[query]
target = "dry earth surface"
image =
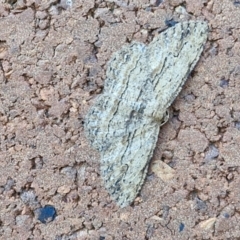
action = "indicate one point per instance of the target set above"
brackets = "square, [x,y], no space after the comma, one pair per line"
[53,57]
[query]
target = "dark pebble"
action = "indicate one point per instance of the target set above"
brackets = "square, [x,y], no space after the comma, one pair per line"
[46,214]
[181,227]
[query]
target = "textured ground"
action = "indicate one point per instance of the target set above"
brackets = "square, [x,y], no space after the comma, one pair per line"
[53,58]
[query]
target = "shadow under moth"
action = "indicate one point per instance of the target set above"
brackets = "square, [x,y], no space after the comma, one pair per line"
[142,82]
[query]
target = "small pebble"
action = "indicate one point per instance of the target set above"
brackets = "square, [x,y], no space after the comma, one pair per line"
[181,227]
[46,214]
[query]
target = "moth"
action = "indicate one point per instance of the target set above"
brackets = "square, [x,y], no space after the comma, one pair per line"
[141,83]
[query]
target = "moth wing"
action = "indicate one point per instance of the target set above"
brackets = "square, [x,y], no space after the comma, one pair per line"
[124,166]
[172,55]
[96,125]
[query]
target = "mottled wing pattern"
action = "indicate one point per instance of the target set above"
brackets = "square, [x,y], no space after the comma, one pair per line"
[101,120]
[142,81]
[180,48]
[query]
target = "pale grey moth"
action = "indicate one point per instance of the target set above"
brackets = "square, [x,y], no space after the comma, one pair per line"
[142,82]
